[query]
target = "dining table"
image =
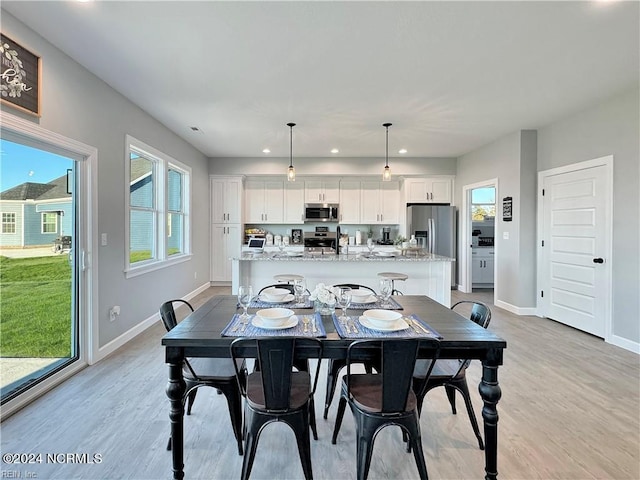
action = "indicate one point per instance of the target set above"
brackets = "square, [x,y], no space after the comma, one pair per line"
[207,332]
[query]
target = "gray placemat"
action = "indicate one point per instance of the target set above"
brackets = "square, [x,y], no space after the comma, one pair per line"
[391,305]
[363,332]
[257,303]
[235,328]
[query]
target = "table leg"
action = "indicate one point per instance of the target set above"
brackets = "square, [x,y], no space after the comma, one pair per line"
[175,391]
[490,393]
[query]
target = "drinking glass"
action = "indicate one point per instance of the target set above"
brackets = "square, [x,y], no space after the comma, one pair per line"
[281,246]
[299,288]
[245,295]
[370,245]
[343,301]
[385,291]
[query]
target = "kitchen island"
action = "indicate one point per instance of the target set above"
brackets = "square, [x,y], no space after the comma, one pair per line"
[429,274]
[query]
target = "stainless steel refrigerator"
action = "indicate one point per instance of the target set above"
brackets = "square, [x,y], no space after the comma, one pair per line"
[435,227]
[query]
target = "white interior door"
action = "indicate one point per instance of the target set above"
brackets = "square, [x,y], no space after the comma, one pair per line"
[576,236]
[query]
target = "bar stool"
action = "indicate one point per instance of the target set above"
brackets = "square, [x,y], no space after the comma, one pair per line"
[393,276]
[287,277]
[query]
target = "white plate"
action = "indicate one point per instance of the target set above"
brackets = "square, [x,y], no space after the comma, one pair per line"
[290,323]
[295,254]
[386,254]
[288,298]
[369,299]
[396,326]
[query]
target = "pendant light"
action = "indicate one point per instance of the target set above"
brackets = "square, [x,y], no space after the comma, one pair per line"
[291,173]
[386,173]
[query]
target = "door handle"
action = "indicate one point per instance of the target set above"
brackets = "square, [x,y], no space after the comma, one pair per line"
[598,260]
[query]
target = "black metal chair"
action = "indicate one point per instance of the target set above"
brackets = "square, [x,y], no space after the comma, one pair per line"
[386,398]
[276,393]
[451,374]
[337,364]
[286,286]
[219,373]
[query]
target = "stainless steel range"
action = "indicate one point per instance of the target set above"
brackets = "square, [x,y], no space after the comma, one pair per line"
[320,242]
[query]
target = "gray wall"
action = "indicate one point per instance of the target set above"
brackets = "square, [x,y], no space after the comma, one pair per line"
[331,166]
[610,128]
[80,106]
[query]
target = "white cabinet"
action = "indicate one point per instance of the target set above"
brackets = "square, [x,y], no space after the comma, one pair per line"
[264,201]
[380,202]
[226,242]
[294,202]
[482,265]
[427,190]
[322,191]
[349,202]
[226,199]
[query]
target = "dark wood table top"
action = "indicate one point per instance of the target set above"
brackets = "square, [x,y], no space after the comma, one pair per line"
[199,333]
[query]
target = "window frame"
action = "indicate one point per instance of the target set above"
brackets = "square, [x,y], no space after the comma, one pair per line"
[162,163]
[7,223]
[43,215]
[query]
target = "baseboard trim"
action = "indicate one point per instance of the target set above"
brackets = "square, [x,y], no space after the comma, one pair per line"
[130,334]
[516,310]
[625,343]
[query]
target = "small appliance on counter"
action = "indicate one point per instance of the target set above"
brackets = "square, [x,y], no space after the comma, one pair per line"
[386,237]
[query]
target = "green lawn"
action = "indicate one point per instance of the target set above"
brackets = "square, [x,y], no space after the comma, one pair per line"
[35,306]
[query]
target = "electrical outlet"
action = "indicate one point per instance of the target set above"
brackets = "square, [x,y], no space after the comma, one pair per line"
[114,312]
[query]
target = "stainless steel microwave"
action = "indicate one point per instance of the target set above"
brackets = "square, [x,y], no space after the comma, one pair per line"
[320,212]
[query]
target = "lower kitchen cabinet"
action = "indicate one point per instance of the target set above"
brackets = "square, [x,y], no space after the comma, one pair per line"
[482,265]
[226,241]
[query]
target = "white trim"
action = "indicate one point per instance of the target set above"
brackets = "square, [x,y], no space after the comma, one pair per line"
[607,162]
[516,310]
[87,240]
[625,343]
[130,334]
[153,266]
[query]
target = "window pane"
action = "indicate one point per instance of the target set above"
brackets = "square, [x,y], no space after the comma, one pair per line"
[141,187]
[483,195]
[141,234]
[174,200]
[49,223]
[479,212]
[174,233]
[8,223]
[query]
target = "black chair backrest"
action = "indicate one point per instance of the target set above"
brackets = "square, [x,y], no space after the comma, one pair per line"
[355,286]
[168,314]
[480,313]
[398,361]
[286,286]
[276,357]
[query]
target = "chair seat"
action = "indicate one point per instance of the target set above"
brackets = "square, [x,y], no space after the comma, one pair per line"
[442,369]
[212,368]
[366,393]
[287,277]
[300,387]
[393,275]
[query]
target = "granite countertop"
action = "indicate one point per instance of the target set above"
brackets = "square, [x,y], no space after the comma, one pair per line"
[306,257]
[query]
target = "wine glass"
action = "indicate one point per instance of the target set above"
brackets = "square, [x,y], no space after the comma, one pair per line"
[245,295]
[385,291]
[281,246]
[343,301]
[370,245]
[299,288]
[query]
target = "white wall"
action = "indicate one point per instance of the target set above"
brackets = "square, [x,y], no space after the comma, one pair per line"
[80,106]
[610,128]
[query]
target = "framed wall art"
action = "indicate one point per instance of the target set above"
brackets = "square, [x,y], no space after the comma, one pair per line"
[507,209]
[20,77]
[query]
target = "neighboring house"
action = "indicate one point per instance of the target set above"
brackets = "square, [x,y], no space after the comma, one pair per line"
[35,214]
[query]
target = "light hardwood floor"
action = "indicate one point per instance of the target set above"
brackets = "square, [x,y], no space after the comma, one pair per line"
[569,410]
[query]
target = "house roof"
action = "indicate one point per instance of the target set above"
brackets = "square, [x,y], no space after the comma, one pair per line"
[56,188]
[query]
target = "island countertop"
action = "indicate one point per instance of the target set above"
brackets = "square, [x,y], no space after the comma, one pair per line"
[359,257]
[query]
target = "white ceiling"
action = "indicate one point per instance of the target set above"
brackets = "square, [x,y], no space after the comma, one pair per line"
[450,76]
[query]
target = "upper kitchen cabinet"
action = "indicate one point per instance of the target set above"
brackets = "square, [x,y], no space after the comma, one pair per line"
[349,202]
[226,199]
[264,201]
[380,202]
[293,202]
[322,191]
[427,190]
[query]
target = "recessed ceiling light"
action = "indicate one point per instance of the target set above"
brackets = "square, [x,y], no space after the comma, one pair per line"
[402,150]
[335,150]
[266,150]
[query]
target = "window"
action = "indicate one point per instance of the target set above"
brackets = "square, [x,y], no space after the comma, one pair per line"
[8,223]
[49,222]
[483,204]
[158,200]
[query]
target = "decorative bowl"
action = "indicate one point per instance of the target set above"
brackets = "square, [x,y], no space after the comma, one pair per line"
[382,318]
[274,294]
[274,317]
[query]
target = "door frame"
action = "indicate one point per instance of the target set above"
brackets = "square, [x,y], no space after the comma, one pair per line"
[466,284]
[87,226]
[607,162]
